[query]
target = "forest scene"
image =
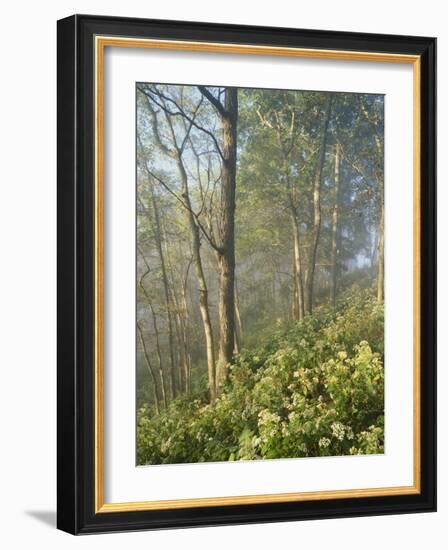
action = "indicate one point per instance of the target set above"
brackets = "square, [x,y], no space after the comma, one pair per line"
[260,274]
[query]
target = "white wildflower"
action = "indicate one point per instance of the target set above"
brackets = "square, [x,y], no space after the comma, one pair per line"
[338,430]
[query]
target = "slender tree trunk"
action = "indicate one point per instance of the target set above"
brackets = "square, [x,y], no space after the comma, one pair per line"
[150,369]
[180,349]
[185,330]
[236,342]
[156,333]
[298,280]
[380,179]
[184,346]
[179,324]
[186,355]
[239,324]
[159,357]
[380,279]
[166,288]
[375,245]
[202,284]
[205,314]
[226,261]
[335,225]
[295,295]
[317,208]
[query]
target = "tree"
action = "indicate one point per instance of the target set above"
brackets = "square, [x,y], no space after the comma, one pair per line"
[281,116]
[228,112]
[317,217]
[156,334]
[154,218]
[373,114]
[176,152]
[335,224]
[150,368]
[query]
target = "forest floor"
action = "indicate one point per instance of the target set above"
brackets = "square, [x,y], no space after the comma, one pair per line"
[316,388]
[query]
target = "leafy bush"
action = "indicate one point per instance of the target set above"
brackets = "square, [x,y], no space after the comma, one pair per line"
[315,389]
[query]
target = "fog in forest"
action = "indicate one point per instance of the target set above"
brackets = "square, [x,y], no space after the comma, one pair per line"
[260,261]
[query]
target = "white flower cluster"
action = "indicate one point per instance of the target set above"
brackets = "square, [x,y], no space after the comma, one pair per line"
[268,423]
[324,442]
[338,430]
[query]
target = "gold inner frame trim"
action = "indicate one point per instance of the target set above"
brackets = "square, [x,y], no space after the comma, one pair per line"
[101,42]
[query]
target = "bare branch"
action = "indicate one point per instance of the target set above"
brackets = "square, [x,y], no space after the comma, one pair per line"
[214,101]
[155,127]
[185,205]
[180,112]
[263,119]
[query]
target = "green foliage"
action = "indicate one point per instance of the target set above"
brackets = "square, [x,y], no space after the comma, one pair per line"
[315,389]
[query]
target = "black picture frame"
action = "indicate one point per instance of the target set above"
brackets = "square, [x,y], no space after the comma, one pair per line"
[76,225]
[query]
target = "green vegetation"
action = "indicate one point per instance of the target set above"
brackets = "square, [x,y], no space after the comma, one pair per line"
[315,388]
[260,273]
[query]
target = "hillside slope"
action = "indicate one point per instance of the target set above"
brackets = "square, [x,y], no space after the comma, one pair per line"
[316,389]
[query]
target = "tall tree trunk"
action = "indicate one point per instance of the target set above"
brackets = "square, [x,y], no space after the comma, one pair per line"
[295,296]
[159,357]
[380,279]
[299,309]
[202,284]
[185,324]
[150,369]
[166,289]
[180,358]
[185,354]
[226,262]
[335,225]
[239,324]
[379,143]
[205,314]
[374,252]
[156,331]
[179,324]
[309,296]
[380,179]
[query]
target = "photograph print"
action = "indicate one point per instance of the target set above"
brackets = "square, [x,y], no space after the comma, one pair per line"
[259,274]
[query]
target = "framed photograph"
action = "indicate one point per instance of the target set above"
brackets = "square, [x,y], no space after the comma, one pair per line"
[246,271]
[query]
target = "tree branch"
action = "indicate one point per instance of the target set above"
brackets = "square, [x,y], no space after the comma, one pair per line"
[155,127]
[180,112]
[214,101]
[185,205]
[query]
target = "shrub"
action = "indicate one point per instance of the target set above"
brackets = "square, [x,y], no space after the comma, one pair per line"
[315,389]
